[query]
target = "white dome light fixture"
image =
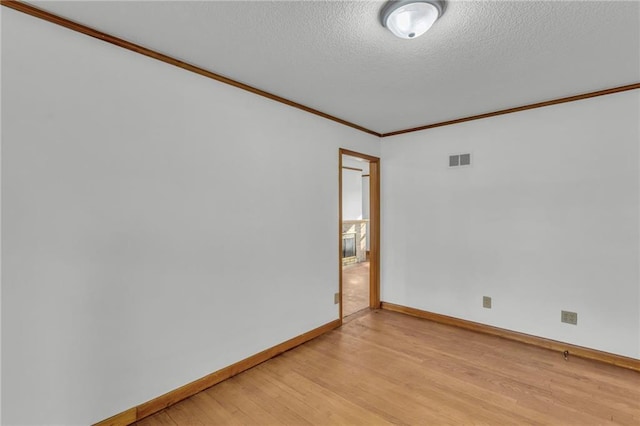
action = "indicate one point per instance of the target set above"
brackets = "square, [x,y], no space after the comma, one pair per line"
[410,18]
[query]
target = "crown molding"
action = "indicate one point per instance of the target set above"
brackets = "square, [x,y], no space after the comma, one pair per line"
[517,109]
[55,19]
[92,32]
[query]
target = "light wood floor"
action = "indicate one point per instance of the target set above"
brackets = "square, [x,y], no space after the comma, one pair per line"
[355,288]
[383,367]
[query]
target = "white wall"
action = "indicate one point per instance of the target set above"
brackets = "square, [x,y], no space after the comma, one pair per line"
[545,219]
[148,215]
[351,194]
[128,186]
[355,191]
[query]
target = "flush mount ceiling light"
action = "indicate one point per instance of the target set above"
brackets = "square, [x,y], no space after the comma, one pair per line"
[410,18]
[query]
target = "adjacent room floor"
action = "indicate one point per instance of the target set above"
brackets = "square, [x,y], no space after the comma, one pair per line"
[355,288]
[383,367]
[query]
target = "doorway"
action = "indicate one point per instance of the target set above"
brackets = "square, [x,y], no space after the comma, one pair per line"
[359,232]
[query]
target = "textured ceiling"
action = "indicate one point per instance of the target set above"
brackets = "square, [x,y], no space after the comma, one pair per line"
[334,56]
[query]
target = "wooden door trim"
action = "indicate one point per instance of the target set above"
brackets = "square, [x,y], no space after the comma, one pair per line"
[374,227]
[340,236]
[352,168]
[350,153]
[374,243]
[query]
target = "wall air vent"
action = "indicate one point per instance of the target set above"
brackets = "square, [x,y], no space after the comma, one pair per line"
[459,160]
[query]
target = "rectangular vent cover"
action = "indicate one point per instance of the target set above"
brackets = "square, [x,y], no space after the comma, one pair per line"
[459,160]
[569,317]
[486,302]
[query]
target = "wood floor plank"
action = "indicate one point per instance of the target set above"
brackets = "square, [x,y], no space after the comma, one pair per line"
[384,367]
[234,395]
[216,413]
[318,402]
[355,288]
[158,419]
[427,392]
[266,394]
[188,413]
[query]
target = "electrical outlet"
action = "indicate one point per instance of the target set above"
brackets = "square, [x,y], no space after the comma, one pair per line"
[336,298]
[569,317]
[486,302]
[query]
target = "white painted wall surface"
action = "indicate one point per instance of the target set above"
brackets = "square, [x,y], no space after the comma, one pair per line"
[355,191]
[351,194]
[356,163]
[148,222]
[545,219]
